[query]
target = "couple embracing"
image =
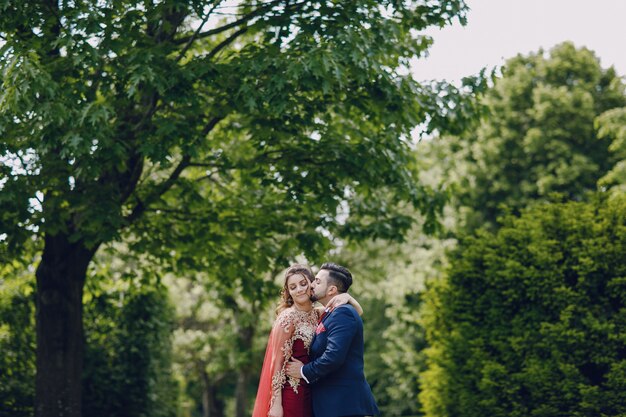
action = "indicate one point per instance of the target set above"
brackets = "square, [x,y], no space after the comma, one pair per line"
[314,358]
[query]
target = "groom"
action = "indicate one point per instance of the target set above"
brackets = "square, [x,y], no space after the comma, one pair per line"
[338,385]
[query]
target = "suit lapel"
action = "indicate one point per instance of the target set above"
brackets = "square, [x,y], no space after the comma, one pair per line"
[321,324]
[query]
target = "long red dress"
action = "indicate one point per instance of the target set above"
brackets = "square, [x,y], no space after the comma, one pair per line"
[291,336]
[298,404]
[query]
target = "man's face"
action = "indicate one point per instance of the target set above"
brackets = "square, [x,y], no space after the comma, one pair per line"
[319,286]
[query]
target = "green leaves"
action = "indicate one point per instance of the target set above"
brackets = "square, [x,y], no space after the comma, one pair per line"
[611,127]
[17,338]
[229,149]
[537,137]
[128,359]
[113,94]
[526,322]
[24,80]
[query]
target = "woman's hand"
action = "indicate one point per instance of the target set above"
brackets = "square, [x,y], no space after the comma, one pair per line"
[276,410]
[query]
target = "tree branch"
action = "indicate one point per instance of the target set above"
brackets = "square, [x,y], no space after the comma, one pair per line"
[226,42]
[195,35]
[160,189]
[56,27]
[205,177]
[212,123]
[256,13]
[163,187]
[238,33]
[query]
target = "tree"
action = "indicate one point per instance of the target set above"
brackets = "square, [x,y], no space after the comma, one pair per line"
[203,354]
[530,320]
[612,127]
[458,162]
[130,119]
[539,136]
[207,355]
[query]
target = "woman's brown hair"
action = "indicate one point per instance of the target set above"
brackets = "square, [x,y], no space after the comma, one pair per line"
[286,300]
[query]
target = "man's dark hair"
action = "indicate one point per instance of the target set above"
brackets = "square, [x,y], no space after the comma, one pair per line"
[338,275]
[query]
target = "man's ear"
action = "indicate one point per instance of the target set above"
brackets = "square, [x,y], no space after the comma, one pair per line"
[332,290]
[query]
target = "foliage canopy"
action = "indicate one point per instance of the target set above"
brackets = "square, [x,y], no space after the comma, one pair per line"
[132,112]
[539,136]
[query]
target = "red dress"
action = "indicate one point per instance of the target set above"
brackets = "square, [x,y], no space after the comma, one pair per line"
[298,404]
[291,336]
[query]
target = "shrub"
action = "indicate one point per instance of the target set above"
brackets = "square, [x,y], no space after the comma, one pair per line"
[531,320]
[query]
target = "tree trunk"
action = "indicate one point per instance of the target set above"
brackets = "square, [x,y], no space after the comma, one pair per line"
[59,322]
[241,393]
[212,406]
[245,336]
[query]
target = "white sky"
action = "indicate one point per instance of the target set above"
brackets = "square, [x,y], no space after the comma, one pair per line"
[499,29]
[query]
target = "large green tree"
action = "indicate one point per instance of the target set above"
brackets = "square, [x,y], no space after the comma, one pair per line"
[531,320]
[538,137]
[179,123]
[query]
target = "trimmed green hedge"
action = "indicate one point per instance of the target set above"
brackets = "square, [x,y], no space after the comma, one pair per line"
[127,370]
[531,321]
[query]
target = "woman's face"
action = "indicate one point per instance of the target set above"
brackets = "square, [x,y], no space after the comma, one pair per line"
[299,289]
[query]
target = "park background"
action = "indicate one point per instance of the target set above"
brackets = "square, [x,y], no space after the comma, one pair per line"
[155,185]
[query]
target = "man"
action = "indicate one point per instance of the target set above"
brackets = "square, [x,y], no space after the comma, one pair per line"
[338,384]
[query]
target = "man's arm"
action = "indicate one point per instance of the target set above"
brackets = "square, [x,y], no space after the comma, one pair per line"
[341,331]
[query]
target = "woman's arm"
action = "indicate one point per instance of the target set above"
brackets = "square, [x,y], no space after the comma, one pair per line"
[345,298]
[354,303]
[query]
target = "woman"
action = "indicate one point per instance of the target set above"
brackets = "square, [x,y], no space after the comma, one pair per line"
[280,395]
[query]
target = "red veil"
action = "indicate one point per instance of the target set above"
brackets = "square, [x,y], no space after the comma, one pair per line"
[278,349]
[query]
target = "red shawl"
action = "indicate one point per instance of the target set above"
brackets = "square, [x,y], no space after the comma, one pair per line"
[273,373]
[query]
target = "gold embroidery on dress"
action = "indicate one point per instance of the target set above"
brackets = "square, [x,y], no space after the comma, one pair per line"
[304,323]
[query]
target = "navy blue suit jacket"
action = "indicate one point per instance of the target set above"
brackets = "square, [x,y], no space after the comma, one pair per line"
[338,384]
